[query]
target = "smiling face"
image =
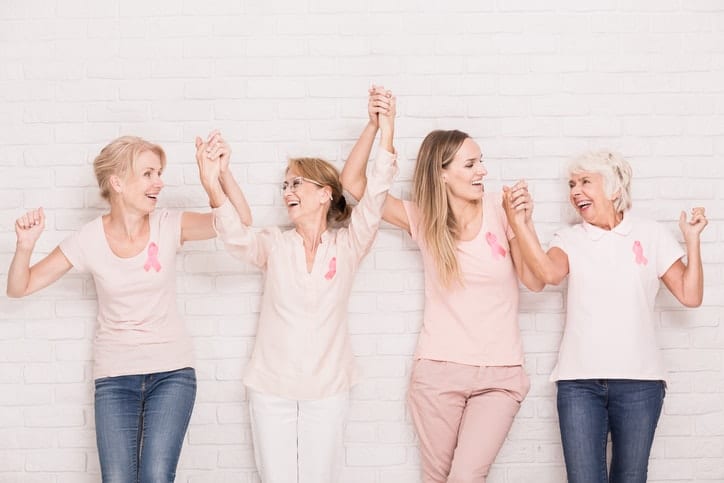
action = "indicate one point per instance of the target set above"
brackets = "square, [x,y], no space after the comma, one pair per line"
[304,197]
[139,189]
[589,198]
[463,176]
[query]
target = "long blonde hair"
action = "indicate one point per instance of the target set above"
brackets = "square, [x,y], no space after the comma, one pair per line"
[437,224]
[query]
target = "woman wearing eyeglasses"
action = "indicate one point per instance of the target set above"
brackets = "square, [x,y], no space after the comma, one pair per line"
[302,366]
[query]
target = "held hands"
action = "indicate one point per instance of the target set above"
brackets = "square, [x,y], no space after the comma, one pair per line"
[29,227]
[382,109]
[381,102]
[692,228]
[518,204]
[212,158]
[214,149]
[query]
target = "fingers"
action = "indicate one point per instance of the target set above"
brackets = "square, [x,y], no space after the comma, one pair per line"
[698,217]
[381,101]
[30,219]
[214,147]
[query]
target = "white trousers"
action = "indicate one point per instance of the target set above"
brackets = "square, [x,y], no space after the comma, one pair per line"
[298,441]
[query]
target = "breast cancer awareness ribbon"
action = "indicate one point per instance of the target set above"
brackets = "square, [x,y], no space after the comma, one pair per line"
[495,248]
[332,269]
[152,260]
[639,252]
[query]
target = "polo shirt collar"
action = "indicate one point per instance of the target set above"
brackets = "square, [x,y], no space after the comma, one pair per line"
[624,228]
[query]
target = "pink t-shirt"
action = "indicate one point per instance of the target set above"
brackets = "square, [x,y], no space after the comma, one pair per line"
[476,323]
[139,330]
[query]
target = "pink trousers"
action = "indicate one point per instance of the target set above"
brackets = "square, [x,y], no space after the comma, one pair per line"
[462,415]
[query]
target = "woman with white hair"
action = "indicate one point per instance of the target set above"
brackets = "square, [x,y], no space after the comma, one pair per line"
[610,373]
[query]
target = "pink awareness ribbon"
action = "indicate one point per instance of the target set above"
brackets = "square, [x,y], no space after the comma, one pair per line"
[332,269]
[639,252]
[497,251]
[152,260]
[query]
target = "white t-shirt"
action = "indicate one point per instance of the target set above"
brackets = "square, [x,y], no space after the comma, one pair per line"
[612,285]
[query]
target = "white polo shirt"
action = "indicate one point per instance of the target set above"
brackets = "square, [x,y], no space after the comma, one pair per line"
[612,285]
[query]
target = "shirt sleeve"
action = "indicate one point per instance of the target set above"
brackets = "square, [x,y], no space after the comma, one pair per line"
[71,248]
[668,250]
[366,216]
[241,240]
[170,225]
[559,240]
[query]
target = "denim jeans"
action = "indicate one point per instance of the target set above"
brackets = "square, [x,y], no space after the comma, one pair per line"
[141,421]
[588,409]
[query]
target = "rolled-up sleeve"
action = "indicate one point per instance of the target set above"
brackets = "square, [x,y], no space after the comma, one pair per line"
[241,240]
[366,216]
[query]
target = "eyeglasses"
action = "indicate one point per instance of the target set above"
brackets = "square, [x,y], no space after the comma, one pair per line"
[294,184]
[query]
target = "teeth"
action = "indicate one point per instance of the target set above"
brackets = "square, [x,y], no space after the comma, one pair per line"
[480,181]
[293,203]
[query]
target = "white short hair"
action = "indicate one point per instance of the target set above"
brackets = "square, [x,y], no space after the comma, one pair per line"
[616,172]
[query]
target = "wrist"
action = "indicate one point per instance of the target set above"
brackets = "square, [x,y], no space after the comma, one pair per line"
[216,199]
[24,247]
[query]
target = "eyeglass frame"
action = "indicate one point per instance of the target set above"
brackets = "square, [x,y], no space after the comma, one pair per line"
[295,183]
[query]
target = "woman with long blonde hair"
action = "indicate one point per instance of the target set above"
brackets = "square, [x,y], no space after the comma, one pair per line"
[468,380]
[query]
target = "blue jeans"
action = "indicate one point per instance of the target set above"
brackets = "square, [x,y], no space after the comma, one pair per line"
[141,421]
[589,408]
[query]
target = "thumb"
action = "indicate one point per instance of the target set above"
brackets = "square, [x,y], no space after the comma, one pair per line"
[506,188]
[198,142]
[682,217]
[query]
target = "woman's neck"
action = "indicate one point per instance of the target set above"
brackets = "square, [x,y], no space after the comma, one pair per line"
[466,212]
[122,225]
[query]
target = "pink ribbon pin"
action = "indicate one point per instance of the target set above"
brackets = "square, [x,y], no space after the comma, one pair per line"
[152,260]
[639,252]
[332,269]
[497,251]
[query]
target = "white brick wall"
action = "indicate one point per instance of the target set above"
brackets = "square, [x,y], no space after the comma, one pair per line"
[533,82]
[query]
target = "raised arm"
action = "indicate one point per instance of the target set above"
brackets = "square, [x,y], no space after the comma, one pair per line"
[22,278]
[212,157]
[354,174]
[219,148]
[686,281]
[535,267]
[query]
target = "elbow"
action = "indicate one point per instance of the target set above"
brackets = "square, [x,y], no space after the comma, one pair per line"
[693,302]
[537,287]
[533,283]
[14,294]
[549,277]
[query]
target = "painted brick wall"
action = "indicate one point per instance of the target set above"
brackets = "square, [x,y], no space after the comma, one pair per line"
[533,82]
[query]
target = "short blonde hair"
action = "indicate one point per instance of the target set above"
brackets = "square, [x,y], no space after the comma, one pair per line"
[119,157]
[325,174]
[616,172]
